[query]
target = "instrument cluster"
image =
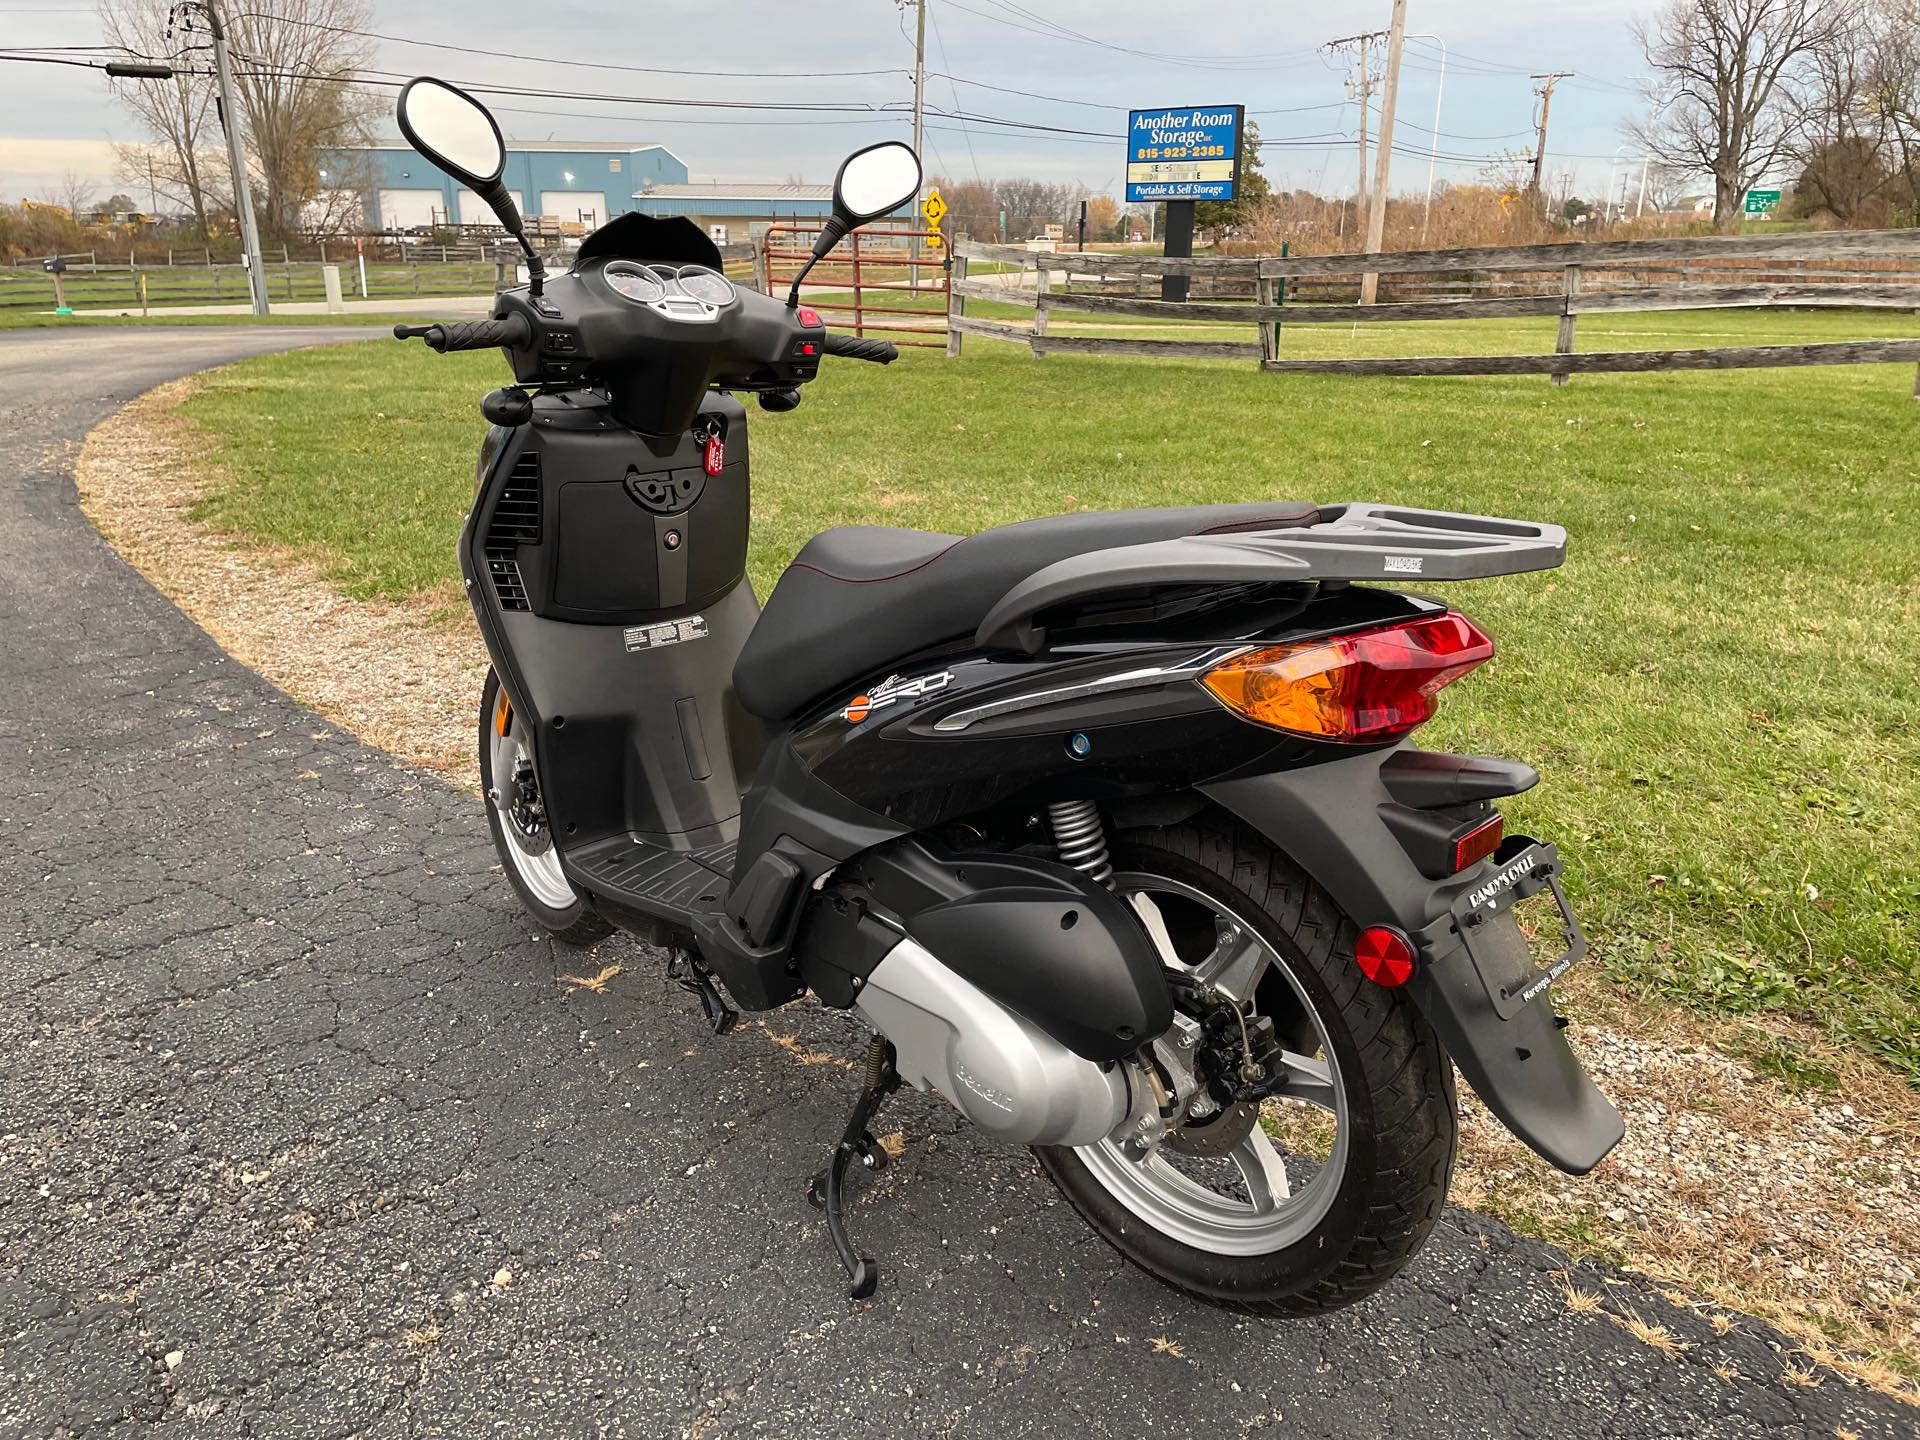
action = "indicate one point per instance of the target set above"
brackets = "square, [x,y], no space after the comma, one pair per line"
[687,293]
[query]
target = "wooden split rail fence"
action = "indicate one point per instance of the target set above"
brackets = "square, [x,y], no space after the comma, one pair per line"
[1826,270]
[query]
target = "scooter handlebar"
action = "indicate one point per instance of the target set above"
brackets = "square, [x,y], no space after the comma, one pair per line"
[880,352]
[469,334]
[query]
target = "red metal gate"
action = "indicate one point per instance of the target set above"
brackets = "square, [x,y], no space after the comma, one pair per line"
[876,280]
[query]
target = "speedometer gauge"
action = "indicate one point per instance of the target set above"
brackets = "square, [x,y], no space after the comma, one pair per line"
[705,285]
[635,282]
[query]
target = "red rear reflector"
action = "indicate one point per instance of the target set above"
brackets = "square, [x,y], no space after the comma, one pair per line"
[1478,843]
[809,348]
[807,315]
[1367,687]
[1384,956]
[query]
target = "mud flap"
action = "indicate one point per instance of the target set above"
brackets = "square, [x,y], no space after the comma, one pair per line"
[1490,1008]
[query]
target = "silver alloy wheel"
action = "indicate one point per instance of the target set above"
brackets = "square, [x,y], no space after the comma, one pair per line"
[1278,1209]
[534,858]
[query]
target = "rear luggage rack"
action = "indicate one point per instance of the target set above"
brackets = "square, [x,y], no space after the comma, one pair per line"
[1350,542]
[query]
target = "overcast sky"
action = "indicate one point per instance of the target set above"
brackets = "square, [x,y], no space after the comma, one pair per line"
[1259,53]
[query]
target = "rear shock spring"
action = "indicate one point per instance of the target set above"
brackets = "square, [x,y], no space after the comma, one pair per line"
[1081,838]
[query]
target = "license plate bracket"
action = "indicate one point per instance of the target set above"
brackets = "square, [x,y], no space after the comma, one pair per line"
[1523,868]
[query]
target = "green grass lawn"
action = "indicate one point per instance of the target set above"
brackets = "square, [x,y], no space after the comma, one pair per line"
[1722,686]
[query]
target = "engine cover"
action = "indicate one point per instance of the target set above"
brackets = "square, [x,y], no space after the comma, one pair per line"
[994,1067]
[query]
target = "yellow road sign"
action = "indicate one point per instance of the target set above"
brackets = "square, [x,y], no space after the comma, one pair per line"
[934,208]
[933,240]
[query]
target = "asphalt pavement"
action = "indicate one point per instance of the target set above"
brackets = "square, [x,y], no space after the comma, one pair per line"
[303,1133]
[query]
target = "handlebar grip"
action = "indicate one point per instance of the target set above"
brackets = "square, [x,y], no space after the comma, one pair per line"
[880,352]
[469,334]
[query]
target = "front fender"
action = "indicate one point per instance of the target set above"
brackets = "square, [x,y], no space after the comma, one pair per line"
[1328,818]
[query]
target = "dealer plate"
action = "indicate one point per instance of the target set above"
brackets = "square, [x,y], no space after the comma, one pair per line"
[1523,869]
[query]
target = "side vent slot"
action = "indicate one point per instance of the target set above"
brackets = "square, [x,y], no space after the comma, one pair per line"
[516,521]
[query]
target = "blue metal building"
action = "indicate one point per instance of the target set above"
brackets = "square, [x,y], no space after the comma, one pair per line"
[579,182]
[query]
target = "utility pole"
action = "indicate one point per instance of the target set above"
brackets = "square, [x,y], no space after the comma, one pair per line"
[1377,214]
[919,115]
[1545,92]
[919,69]
[236,156]
[1365,87]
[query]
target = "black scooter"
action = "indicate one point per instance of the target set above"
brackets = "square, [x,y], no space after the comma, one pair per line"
[1108,824]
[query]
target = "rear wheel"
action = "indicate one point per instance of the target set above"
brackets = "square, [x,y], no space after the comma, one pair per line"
[516,814]
[1309,1199]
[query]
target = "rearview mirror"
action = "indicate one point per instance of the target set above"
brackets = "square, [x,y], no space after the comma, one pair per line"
[871,183]
[874,181]
[454,131]
[459,134]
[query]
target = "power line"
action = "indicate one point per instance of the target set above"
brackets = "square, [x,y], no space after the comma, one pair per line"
[854,113]
[1052,30]
[555,60]
[941,45]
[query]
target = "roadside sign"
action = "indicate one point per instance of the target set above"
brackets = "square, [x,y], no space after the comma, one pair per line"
[1762,202]
[934,241]
[934,208]
[1185,153]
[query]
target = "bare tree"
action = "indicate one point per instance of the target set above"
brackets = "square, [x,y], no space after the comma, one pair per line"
[1726,67]
[1841,135]
[1510,172]
[73,193]
[184,164]
[294,66]
[1665,186]
[1895,94]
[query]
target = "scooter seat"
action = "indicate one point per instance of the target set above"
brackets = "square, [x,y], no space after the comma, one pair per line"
[859,597]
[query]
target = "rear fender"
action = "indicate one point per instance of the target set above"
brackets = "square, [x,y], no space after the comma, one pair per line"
[1329,818]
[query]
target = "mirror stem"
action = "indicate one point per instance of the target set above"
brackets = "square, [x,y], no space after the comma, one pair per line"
[536,272]
[832,231]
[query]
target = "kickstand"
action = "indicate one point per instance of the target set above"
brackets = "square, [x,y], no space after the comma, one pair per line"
[686,971]
[827,1190]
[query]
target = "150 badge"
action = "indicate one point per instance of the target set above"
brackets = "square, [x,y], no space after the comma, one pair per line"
[892,690]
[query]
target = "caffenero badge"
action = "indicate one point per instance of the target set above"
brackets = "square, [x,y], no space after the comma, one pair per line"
[891,691]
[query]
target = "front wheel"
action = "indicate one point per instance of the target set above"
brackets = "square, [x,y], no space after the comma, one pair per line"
[516,814]
[1316,1196]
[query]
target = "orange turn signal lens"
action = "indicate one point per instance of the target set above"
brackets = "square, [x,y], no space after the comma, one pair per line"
[1363,688]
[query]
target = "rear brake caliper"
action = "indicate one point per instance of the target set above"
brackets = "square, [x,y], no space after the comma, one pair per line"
[1235,1060]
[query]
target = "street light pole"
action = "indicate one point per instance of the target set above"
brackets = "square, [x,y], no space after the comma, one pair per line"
[1646,151]
[1606,199]
[1433,153]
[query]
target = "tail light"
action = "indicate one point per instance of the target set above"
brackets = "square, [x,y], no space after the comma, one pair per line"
[1363,688]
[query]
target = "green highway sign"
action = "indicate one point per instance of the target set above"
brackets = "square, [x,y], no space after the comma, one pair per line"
[1762,202]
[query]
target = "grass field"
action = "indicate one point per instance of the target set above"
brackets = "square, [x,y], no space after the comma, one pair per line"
[1722,686]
